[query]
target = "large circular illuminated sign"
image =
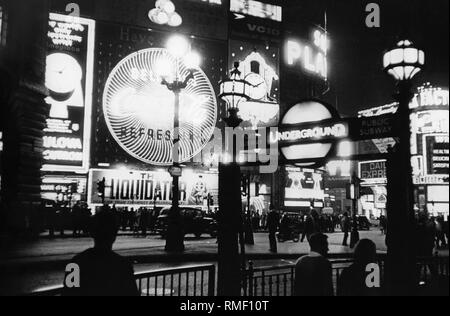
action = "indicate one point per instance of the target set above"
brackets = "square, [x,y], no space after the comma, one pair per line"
[139,110]
[308,112]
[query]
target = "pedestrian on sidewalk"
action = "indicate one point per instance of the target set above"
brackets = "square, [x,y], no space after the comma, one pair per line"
[313,273]
[346,227]
[273,222]
[352,281]
[102,272]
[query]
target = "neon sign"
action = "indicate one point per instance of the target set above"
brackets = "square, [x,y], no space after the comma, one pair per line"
[316,133]
[257,9]
[311,57]
[139,110]
[69,80]
[429,96]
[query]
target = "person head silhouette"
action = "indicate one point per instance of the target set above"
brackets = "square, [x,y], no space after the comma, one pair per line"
[104,229]
[319,243]
[365,252]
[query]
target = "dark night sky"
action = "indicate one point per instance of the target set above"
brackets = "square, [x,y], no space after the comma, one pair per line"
[356,76]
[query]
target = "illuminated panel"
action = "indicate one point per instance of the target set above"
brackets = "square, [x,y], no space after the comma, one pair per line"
[436,152]
[311,55]
[259,66]
[257,9]
[373,172]
[302,186]
[139,110]
[69,79]
[131,187]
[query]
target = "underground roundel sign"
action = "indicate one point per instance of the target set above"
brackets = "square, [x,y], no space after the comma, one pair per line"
[140,111]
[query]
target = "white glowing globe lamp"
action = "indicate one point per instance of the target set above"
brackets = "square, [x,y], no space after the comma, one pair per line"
[175,20]
[404,61]
[178,46]
[164,68]
[169,7]
[192,60]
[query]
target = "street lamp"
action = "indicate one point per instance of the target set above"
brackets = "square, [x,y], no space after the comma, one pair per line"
[233,91]
[403,62]
[179,48]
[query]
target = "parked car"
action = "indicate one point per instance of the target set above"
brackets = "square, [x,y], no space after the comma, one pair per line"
[194,222]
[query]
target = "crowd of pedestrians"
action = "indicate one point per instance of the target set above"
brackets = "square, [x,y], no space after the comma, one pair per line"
[63,220]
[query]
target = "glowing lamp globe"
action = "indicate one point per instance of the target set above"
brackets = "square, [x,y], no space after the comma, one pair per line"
[404,61]
[178,46]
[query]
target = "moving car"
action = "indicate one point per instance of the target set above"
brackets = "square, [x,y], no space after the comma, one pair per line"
[194,222]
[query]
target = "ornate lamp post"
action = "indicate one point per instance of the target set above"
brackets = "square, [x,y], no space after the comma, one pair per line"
[233,91]
[403,62]
[179,48]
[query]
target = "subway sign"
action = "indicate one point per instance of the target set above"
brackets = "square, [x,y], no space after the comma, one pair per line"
[311,134]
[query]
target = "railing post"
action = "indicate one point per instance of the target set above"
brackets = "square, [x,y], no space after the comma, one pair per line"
[212,281]
[250,278]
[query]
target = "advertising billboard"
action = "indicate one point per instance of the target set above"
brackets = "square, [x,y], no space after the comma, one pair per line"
[255,20]
[259,66]
[436,149]
[148,188]
[303,186]
[373,172]
[135,110]
[69,80]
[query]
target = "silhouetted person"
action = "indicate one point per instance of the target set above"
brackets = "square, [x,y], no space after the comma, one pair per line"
[313,273]
[102,271]
[352,281]
[346,227]
[273,222]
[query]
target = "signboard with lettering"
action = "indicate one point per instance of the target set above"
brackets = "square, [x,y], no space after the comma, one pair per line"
[146,188]
[69,80]
[376,127]
[373,172]
[128,87]
[308,55]
[436,148]
[255,20]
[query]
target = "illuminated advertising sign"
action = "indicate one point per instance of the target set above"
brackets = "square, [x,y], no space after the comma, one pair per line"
[255,20]
[69,81]
[303,186]
[257,9]
[436,149]
[373,172]
[63,188]
[259,67]
[137,111]
[310,56]
[430,122]
[429,96]
[145,188]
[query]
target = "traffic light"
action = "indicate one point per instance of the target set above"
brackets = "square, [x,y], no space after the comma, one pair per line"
[210,200]
[101,188]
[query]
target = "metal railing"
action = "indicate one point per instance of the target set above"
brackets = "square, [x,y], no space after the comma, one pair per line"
[185,281]
[261,281]
[279,281]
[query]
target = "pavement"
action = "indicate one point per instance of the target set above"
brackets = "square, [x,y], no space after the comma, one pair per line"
[48,251]
[28,266]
